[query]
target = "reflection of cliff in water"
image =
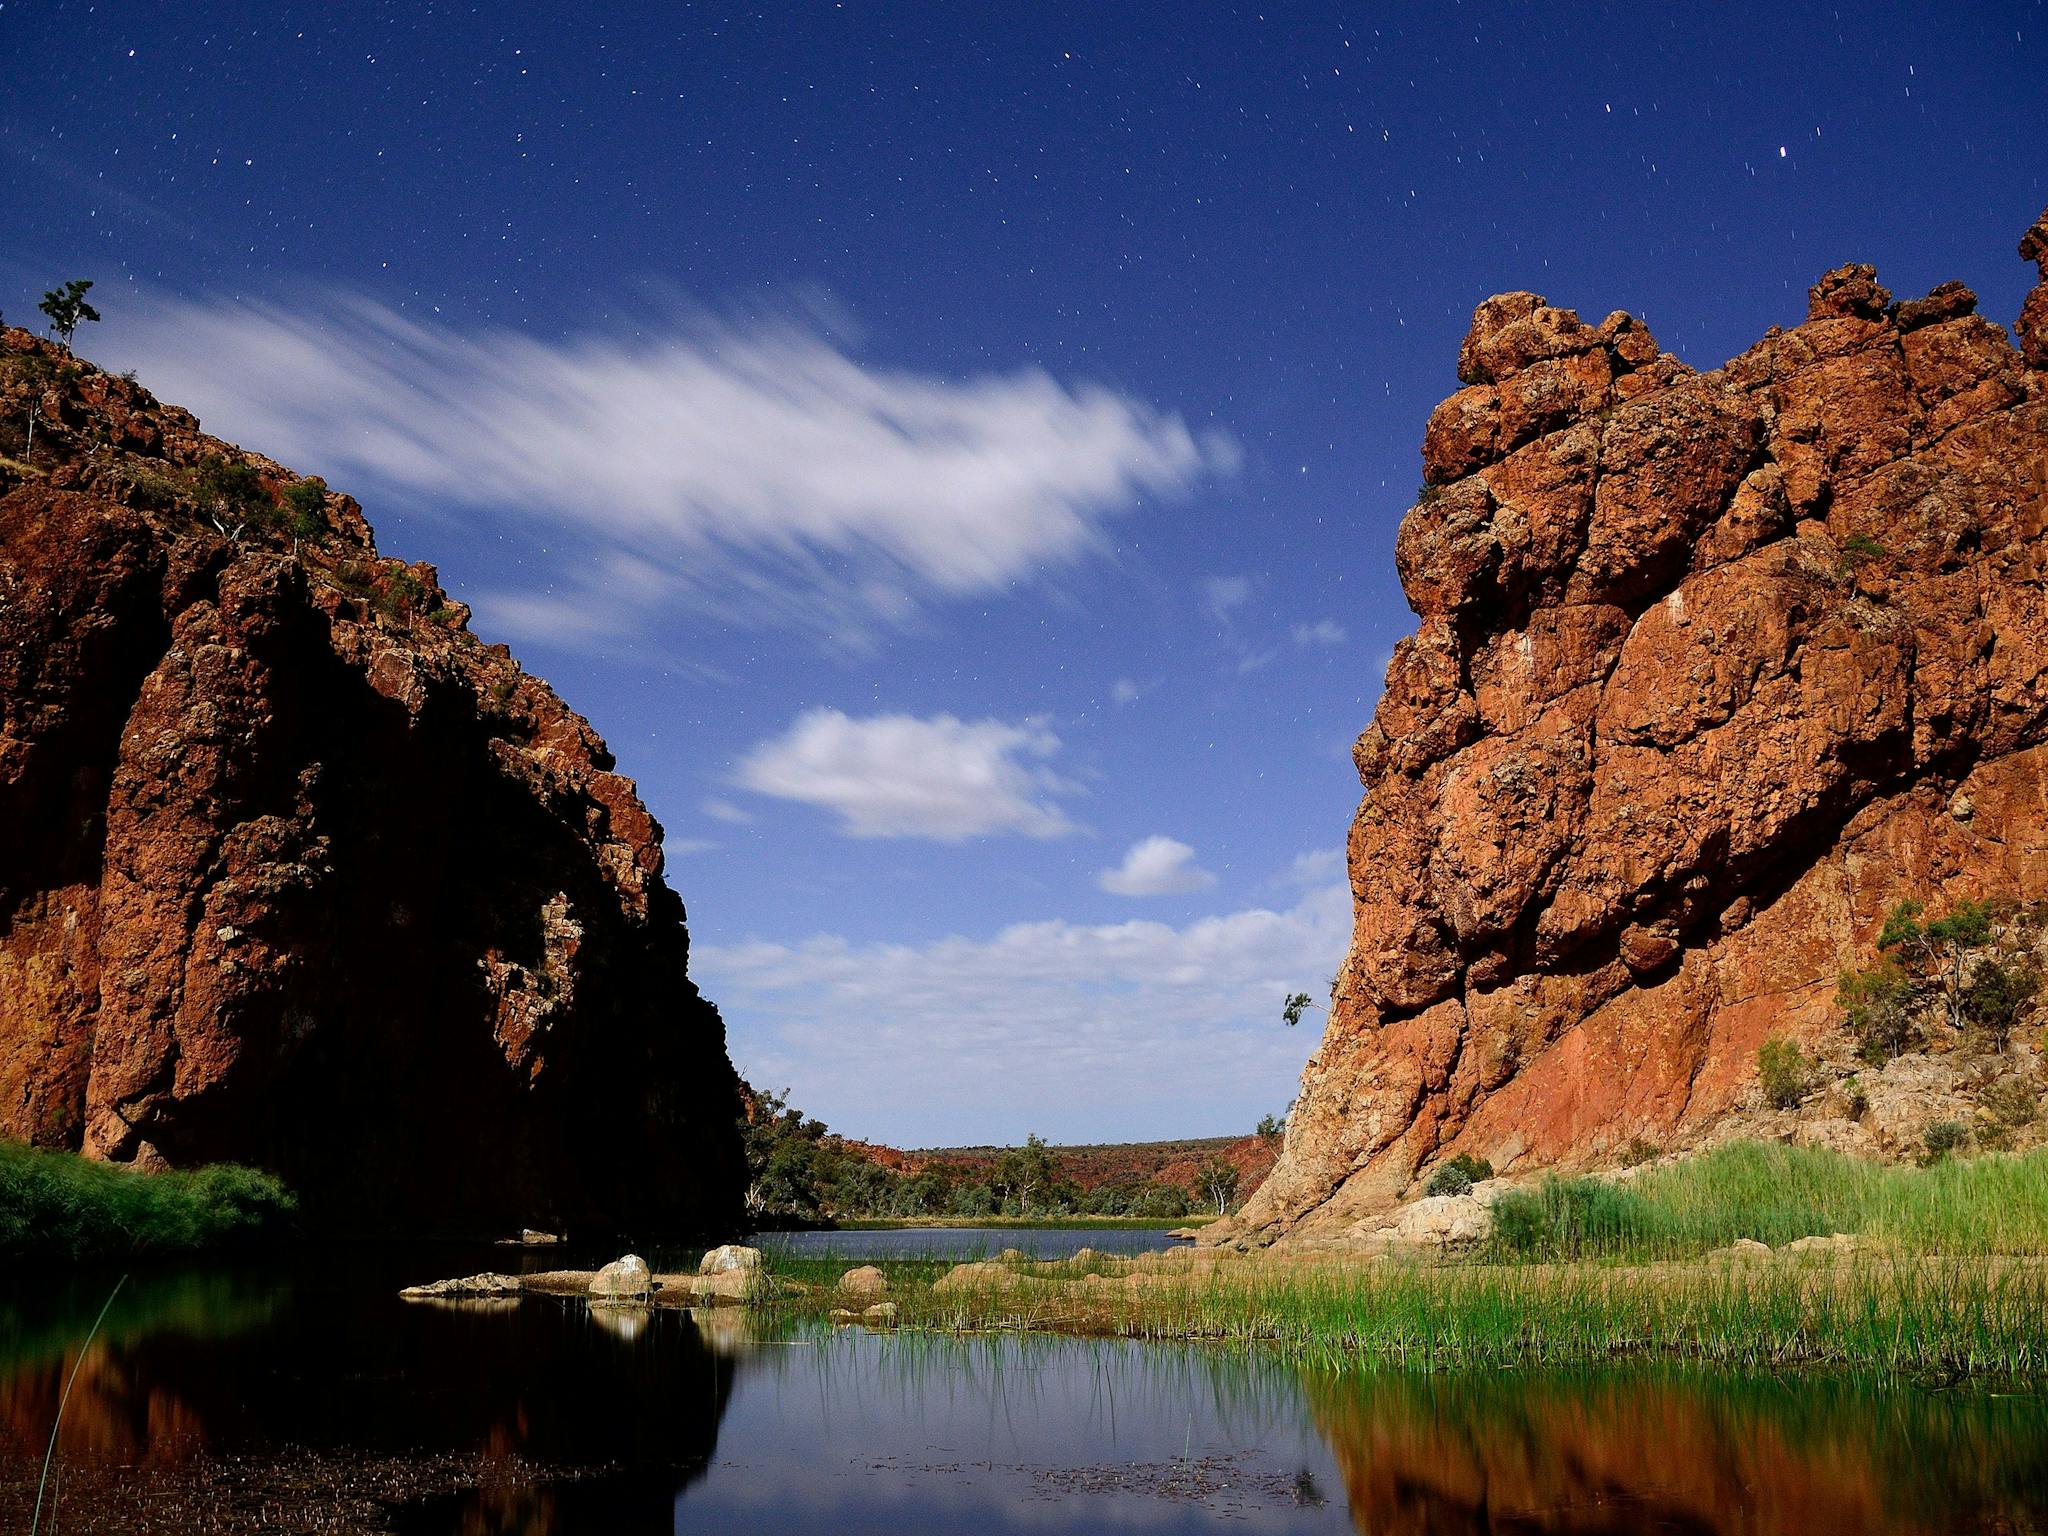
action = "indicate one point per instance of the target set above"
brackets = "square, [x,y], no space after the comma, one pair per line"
[1590,1455]
[240,1364]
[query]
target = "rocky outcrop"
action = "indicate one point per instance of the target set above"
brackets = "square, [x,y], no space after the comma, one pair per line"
[296,871]
[1711,669]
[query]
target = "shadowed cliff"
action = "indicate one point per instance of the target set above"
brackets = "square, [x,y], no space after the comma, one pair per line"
[295,871]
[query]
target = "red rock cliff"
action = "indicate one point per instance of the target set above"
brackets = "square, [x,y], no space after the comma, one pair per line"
[295,871]
[1711,670]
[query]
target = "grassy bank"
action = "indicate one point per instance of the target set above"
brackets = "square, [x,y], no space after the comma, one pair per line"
[58,1205]
[1773,1194]
[1949,1278]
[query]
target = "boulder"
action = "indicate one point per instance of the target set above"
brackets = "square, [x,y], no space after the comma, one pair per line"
[864,1281]
[727,1285]
[729,1258]
[881,1315]
[1439,1221]
[623,1278]
[1743,1249]
[979,1275]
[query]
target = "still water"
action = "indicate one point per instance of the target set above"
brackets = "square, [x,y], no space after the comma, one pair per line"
[309,1398]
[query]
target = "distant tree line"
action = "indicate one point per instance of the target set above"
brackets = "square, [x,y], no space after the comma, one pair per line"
[797,1170]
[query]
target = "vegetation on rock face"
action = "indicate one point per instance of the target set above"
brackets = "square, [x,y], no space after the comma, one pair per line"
[1786,1074]
[1971,972]
[61,1206]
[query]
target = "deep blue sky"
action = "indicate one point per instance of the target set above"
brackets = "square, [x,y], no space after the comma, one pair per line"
[1036,388]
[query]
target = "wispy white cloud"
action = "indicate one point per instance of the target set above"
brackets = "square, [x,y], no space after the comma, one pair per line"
[1126,691]
[757,470]
[1156,866]
[1052,1026]
[719,809]
[904,776]
[1322,632]
[1224,595]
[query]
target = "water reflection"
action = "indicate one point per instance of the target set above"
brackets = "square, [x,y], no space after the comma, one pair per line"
[250,1363]
[1658,1451]
[625,1420]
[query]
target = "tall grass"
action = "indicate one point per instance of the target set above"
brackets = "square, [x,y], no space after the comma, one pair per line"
[59,1205]
[1774,1194]
[1589,1270]
[1925,1318]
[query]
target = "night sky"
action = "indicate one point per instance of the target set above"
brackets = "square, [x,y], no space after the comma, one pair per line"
[951,452]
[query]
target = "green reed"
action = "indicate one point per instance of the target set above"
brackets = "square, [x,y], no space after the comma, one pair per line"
[1775,1194]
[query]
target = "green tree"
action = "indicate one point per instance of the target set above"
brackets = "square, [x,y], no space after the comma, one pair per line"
[1272,1127]
[1936,953]
[1023,1174]
[1976,968]
[780,1148]
[1878,1005]
[1217,1181]
[67,308]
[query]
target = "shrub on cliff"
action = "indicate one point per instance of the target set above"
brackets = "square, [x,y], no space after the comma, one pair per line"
[60,1205]
[231,494]
[1458,1175]
[1786,1074]
[305,507]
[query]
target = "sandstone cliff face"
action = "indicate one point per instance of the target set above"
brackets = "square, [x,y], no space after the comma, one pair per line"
[295,871]
[1711,670]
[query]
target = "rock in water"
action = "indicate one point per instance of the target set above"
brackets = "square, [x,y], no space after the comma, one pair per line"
[1711,670]
[865,1281]
[296,871]
[729,1258]
[624,1279]
[485,1285]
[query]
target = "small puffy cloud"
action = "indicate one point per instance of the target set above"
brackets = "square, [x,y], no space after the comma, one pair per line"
[1319,866]
[1322,632]
[758,472]
[1156,866]
[1037,1027]
[903,776]
[725,810]
[1224,595]
[1125,691]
